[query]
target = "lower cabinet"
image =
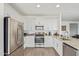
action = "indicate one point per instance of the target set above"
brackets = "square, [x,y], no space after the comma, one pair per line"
[58,46]
[29,41]
[48,42]
[55,43]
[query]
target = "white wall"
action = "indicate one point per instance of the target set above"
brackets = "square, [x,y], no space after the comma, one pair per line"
[50,23]
[68,26]
[78,28]
[1,28]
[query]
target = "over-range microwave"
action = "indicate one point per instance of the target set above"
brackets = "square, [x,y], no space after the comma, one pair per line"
[39,27]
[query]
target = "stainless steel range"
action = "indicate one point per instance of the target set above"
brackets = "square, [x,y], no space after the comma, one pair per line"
[39,36]
[39,39]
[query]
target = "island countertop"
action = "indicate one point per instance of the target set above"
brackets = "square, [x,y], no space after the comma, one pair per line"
[73,42]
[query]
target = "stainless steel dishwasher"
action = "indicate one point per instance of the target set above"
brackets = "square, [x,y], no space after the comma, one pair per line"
[69,50]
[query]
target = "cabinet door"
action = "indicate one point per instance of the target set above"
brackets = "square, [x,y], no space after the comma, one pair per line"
[60,48]
[58,45]
[48,41]
[29,41]
[45,41]
[51,41]
[54,43]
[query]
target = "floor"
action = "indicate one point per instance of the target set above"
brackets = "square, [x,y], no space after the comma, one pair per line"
[40,52]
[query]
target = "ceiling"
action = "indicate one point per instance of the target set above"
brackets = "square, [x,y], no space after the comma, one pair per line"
[70,11]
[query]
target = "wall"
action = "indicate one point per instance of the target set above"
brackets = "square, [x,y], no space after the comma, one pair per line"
[50,23]
[78,28]
[68,26]
[1,28]
[73,29]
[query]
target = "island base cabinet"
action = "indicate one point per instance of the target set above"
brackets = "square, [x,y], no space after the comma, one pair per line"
[58,46]
[68,50]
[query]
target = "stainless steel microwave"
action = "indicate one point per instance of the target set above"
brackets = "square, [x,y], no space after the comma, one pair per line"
[39,27]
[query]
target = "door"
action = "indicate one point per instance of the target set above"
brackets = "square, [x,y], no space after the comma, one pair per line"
[73,29]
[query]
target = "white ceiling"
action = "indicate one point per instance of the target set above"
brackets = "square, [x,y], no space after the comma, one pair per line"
[70,11]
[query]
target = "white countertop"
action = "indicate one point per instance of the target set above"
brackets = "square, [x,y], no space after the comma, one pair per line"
[72,42]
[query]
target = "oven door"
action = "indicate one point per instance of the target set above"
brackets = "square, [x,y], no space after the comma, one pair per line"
[39,39]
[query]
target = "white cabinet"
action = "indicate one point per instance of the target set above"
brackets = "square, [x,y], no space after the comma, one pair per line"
[29,41]
[48,41]
[58,46]
[54,43]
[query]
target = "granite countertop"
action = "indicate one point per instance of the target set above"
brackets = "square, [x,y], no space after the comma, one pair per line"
[72,42]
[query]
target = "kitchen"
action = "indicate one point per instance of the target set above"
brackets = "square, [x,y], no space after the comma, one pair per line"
[51,26]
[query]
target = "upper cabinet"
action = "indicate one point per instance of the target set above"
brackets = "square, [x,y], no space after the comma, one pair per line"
[49,23]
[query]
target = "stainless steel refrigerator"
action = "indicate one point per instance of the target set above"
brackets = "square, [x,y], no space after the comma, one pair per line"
[13,36]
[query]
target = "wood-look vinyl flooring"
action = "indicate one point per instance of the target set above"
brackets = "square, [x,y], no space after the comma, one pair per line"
[40,52]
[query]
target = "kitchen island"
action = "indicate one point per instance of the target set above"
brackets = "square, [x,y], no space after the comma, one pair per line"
[71,42]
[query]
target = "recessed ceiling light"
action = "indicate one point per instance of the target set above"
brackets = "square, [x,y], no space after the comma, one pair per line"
[57,6]
[38,6]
